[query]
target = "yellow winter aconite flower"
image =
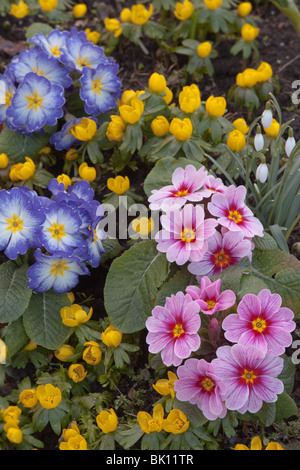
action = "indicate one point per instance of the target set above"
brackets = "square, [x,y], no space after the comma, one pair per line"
[127,96]
[87,173]
[22,171]
[48,5]
[79,10]
[143,226]
[77,442]
[160,126]
[77,372]
[132,112]
[48,396]
[64,352]
[14,435]
[273,130]
[189,98]
[168,95]
[236,140]
[71,155]
[92,36]
[256,444]
[3,160]
[125,15]
[3,352]
[244,9]
[264,72]
[215,106]
[75,315]
[92,353]
[11,414]
[204,49]
[241,125]
[184,10]
[28,398]
[114,26]
[107,421]
[140,15]
[115,129]
[249,32]
[213,4]
[166,386]
[182,129]
[248,78]
[111,337]
[150,423]
[71,431]
[65,179]
[19,10]
[176,422]
[31,346]
[119,184]
[85,130]
[157,83]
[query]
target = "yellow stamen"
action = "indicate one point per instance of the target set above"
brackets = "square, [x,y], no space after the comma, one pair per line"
[235,216]
[14,224]
[210,304]
[55,51]
[59,268]
[259,325]
[178,330]
[188,235]
[249,376]
[97,86]
[34,101]
[184,192]
[57,231]
[208,384]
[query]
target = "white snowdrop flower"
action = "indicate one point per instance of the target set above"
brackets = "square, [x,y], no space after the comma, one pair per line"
[262,172]
[267,118]
[289,145]
[259,142]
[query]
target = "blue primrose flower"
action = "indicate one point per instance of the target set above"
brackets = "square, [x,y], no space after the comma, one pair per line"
[36,61]
[21,215]
[7,90]
[53,44]
[79,53]
[58,271]
[36,103]
[100,88]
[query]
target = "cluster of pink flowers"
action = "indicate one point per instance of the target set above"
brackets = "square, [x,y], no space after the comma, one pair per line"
[244,372]
[204,222]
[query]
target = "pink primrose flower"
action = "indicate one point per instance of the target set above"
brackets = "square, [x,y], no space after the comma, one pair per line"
[209,298]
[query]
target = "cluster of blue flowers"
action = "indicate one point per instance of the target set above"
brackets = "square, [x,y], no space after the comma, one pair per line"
[34,86]
[64,230]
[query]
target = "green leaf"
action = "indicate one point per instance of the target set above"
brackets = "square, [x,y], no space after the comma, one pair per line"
[18,146]
[15,337]
[178,282]
[287,375]
[131,285]
[38,28]
[14,292]
[285,407]
[42,320]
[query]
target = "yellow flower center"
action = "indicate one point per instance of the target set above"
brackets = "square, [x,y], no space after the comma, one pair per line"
[8,97]
[178,423]
[57,231]
[188,235]
[59,268]
[55,51]
[34,101]
[259,325]
[207,384]
[97,86]
[83,62]
[14,224]
[184,192]
[249,376]
[210,304]
[178,330]
[235,216]
[221,259]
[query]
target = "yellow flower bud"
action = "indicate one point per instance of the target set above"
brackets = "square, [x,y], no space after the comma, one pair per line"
[184,10]
[114,26]
[125,15]
[71,431]
[244,9]
[19,11]
[204,49]
[48,396]
[216,106]
[143,226]
[132,113]
[273,130]
[75,315]
[236,140]
[14,435]
[12,413]
[85,130]
[77,442]
[127,96]
[181,129]
[140,15]
[115,129]
[79,10]
[168,95]
[119,184]
[166,386]
[176,422]
[241,125]
[48,5]
[150,423]
[65,179]
[111,337]
[87,173]
[31,346]
[160,126]
[249,32]
[264,72]
[77,373]
[64,352]
[107,421]
[3,160]
[3,352]
[213,4]
[28,398]
[92,36]
[22,171]
[157,83]
[92,353]
[71,155]
[45,151]
[247,78]
[189,99]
